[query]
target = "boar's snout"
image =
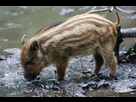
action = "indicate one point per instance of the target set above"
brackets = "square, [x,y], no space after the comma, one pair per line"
[30,76]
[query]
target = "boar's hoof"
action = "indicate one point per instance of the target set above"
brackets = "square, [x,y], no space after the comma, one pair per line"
[111,77]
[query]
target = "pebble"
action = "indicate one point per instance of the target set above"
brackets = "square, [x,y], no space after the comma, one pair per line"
[55,88]
[132,86]
[6,75]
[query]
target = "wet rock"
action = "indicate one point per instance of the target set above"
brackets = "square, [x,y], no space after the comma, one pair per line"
[132,86]
[103,84]
[84,86]
[93,85]
[82,94]
[3,57]
[123,86]
[56,88]
[89,71]
[72,89]
[102,76]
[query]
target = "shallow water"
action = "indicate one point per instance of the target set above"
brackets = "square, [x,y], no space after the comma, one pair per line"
[17,21]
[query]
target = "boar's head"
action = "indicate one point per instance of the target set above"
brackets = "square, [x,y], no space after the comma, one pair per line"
[31,58]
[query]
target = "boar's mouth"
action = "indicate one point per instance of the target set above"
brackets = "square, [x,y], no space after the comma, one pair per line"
[30,76]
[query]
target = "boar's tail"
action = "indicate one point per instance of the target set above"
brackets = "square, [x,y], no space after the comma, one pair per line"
[118,19]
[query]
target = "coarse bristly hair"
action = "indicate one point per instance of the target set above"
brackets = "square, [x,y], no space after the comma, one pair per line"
[80,35]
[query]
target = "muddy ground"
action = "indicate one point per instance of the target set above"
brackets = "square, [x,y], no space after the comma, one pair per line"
[78,81]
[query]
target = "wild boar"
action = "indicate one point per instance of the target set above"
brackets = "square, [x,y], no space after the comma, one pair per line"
[80,35]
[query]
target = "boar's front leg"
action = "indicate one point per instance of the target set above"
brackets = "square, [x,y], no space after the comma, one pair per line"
[61,67]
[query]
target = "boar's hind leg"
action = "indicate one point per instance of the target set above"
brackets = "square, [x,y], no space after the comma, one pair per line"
[98,63]
[61,67]
[111,61]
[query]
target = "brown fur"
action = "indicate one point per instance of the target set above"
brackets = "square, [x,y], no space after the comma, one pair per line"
[77,36]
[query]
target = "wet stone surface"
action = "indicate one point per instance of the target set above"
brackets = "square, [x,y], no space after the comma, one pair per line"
[78,81]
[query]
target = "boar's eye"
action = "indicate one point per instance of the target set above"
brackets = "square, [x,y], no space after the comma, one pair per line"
[30,61]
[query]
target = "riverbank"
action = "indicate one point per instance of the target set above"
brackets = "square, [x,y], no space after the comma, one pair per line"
[78,82]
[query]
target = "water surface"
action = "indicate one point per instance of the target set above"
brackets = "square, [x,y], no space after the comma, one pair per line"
[15,21]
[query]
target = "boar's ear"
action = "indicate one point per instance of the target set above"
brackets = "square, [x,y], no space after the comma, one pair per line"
[24,40]
[34,47]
